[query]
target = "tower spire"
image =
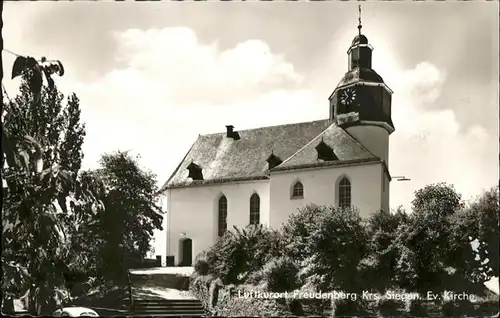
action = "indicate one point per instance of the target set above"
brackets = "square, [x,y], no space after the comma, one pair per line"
[359,20]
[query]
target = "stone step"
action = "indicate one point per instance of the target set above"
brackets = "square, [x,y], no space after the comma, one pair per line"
[168,305]
[167,311]
[165,301]
[184,308]
[172,310]
[162,307]
[168,308]
[167,315]
[160,303]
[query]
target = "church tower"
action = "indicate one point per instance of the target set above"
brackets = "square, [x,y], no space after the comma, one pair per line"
[361,102]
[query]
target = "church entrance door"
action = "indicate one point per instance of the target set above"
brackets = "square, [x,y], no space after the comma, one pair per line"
[185,252]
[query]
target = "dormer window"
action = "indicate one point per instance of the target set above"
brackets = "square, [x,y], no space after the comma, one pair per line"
[274,161]
[325,152]
[195,171]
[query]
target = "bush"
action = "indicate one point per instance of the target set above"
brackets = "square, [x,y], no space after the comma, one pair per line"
[200,288]
[230,305]
[417,308]
[382,230]
[390,307]
[349,308]
[201,264]
[295,307]
[279,275]
[448,309]
[312,306]
[240,252]
[226,301]
[329,244]
[459,308]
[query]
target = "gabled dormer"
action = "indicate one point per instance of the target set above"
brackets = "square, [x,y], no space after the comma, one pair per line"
[195,171]
[325,152]
[273,161]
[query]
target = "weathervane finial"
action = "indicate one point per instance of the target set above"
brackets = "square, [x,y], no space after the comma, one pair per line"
[359,20]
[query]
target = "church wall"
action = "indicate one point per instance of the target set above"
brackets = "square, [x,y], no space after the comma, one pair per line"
[385,192]
[194,211]
[374,138]
[320,187]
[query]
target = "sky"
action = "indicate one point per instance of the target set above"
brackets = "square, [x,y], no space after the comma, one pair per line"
[152,76]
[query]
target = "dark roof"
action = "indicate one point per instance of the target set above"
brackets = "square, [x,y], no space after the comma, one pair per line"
[344,146]
[224,159]
[359,39]
[360,74]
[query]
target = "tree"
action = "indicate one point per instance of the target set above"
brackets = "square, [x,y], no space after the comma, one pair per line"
[481,220]
[41,156]
[329,245]
[434,252]
[131,213]
[382,231]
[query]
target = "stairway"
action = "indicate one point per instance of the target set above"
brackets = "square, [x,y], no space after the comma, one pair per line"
[168,307]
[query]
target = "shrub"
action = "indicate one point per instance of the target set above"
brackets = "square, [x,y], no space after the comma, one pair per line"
[230,305]
[201,264]
[281,275]
[459,308]
[390,307]
[295,307]
[448,309]
[200,287]
[240,252]
[417,308]
[278,274]
[349,308]
[379,267]
[312,306]
[327,243]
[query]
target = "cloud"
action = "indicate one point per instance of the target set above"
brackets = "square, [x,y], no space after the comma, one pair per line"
[425,82]
[169,87]
[192,72]
[430,145]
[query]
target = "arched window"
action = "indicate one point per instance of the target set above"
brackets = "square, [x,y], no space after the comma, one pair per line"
[298,190]
[254,209]
[345,193]
[222,215]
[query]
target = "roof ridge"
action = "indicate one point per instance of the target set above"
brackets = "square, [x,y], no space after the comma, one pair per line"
[266,127]
[306,145]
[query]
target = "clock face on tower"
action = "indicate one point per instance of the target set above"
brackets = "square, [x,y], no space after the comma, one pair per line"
[348,96]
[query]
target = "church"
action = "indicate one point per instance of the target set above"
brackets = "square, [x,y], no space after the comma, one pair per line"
[262,175]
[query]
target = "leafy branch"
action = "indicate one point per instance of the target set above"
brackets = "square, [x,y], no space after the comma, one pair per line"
[38,69]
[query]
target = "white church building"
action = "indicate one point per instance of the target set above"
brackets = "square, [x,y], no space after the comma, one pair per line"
[262,175]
